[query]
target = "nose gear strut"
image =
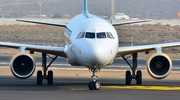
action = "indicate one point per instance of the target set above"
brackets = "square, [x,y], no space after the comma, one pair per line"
[94,84]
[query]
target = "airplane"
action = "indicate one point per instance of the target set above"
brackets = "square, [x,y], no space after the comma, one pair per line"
[91,42]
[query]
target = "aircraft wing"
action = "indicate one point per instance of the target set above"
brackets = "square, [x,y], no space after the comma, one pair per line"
[130,22]
[142,48]
[38,48]
[40,22]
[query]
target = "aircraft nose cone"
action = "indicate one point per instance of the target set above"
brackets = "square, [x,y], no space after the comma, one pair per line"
[97,56]
[93,53]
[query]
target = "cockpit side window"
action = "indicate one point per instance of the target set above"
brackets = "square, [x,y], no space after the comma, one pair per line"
[90,35]
[109,35]
[81,35]
[101,35]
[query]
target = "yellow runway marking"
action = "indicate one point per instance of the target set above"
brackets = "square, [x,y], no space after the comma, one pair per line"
[144,87]
[165,88]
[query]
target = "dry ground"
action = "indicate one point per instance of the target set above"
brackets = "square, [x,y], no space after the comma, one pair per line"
[50,35]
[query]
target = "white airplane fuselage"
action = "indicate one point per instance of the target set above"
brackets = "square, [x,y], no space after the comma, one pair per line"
[94,52]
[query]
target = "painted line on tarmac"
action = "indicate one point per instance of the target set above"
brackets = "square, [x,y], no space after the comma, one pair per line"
[165,88]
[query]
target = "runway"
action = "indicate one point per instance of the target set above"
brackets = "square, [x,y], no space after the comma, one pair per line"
[69,85]
[75,88]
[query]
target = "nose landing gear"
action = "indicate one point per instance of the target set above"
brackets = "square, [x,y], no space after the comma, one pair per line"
[94,84]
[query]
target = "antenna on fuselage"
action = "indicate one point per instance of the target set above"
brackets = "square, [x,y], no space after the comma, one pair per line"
[85,7]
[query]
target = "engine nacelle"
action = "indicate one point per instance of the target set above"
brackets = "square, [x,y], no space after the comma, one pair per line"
[70,58]
[159,65]
[22,65]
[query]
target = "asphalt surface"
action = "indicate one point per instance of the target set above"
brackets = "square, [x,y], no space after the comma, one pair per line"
[75,88]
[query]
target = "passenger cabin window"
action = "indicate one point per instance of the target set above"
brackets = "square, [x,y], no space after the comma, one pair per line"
[81,35]
[90,35]
[101,35]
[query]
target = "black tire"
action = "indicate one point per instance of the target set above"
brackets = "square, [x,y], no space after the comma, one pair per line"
[90,85]
[139,77]
[128,77]
[96,85]
[50,77]
[39,78]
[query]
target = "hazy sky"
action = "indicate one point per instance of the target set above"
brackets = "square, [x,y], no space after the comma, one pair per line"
[134,8]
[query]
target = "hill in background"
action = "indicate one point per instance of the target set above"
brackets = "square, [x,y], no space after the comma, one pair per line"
[154,9]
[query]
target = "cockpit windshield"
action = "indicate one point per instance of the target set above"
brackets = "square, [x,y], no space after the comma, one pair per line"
[101,35]
[90,35]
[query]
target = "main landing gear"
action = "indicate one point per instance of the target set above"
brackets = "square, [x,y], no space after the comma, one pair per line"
[94,84]
[136,74]
[40,75]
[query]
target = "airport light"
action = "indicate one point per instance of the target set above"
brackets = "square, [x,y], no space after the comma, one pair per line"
[40,3]
[112,8]
[1,7]
[148,14]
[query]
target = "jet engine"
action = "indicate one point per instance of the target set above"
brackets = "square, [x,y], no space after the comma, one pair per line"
[22,65]
[70,58]
[159,65]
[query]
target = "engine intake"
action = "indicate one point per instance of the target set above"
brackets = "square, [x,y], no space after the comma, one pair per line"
[22,65]
[159,65]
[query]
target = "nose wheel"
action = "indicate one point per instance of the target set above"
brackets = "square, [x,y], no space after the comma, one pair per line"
[94,84]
